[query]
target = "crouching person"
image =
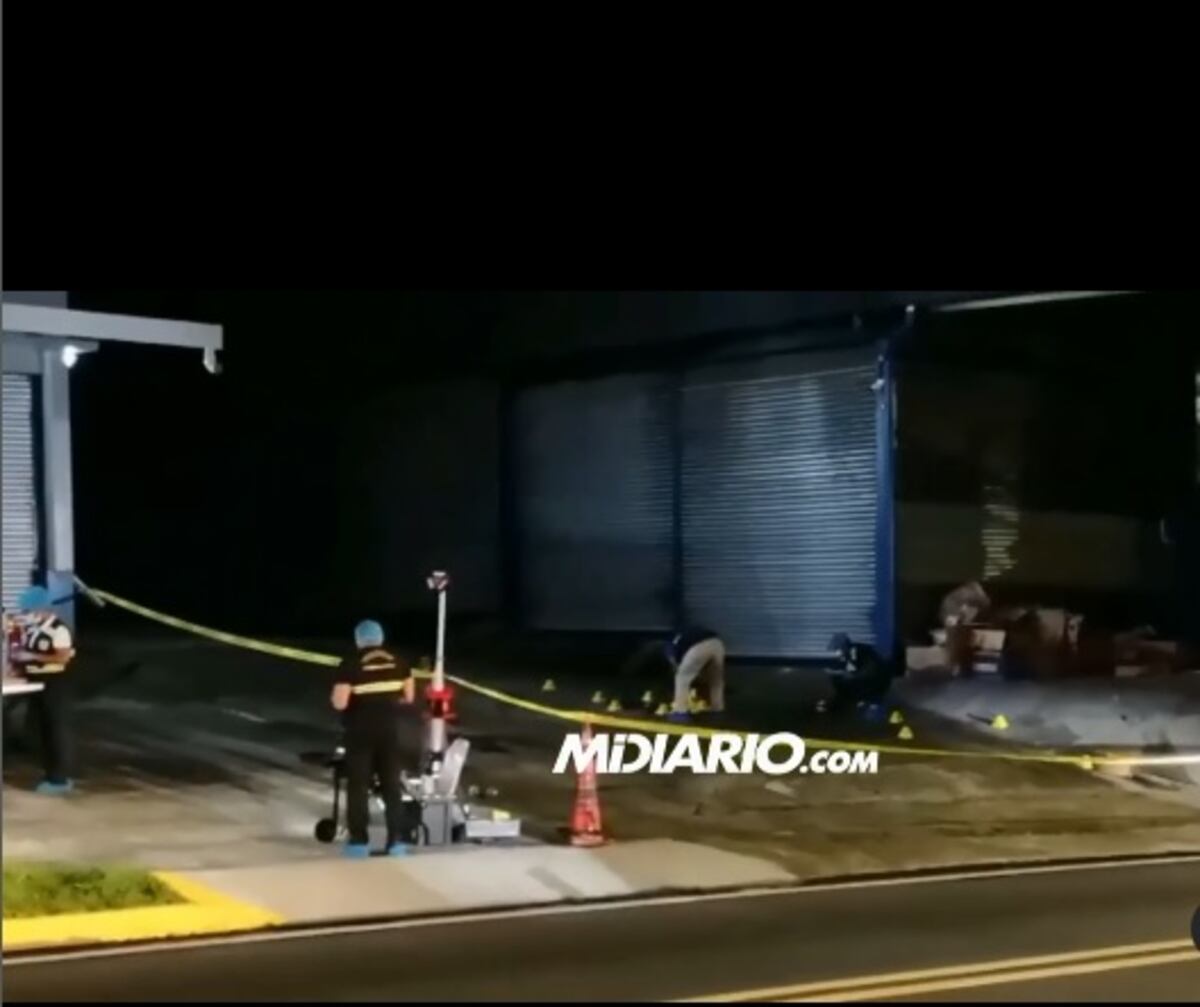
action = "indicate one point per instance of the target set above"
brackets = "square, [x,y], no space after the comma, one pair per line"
[374,692]
[696,653]
[861,675]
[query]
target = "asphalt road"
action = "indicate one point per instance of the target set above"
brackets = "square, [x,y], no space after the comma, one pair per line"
[1111,933]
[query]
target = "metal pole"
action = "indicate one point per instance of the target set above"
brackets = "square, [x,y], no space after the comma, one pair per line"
[439,669]
[437,725]
[438,581]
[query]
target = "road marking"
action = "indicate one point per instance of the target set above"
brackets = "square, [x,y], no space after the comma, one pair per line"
[975,973]
[1000,979]
[350,927]
[252,717]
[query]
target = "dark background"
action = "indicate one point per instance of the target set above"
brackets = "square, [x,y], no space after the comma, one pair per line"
[353,440]
[275,496]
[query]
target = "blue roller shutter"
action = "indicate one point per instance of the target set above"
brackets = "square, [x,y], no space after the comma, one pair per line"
[593,486]
[779,501]
[19,486]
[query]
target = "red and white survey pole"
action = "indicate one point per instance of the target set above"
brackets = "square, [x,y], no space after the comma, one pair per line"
[439,696]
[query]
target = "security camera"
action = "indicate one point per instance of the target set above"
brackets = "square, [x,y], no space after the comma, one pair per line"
[212,362]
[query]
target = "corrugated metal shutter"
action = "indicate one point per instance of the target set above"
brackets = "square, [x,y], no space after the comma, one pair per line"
[779,501]
[594,490]
[19,487]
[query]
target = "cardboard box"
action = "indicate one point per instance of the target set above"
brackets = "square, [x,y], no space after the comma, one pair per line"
[990,640]
[929,667]
[924,658]
[1160,655]
[1144,669]
[1161,651]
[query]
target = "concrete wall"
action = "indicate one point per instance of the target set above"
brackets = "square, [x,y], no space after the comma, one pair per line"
[20,354]
[1048,548]
[1034,460]
[42,298]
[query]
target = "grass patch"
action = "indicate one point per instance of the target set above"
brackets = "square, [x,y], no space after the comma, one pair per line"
[51,889]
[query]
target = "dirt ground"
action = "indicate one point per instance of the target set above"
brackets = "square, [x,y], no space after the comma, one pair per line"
[192,757]
[915,813]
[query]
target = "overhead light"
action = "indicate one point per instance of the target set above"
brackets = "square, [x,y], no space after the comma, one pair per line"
[70,354]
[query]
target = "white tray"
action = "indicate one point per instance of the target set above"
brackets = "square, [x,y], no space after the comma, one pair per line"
[18,687]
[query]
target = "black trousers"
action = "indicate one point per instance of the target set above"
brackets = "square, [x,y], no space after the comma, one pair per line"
[373,749]
[17,718]
[52,708]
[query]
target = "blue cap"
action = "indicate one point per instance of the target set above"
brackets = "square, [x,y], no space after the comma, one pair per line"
[34,598]
[368,633]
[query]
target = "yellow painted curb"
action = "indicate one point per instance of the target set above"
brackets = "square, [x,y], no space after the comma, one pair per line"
[205,911]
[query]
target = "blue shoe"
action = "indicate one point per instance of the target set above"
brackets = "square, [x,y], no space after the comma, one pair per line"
[679,718]
[398,850]
[51,789]
[356,851]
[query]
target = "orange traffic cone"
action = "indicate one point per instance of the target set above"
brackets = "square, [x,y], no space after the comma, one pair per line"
[586,828]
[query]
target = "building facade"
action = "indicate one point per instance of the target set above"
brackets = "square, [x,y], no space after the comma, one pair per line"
[748,488]
[841,478]
[42,341]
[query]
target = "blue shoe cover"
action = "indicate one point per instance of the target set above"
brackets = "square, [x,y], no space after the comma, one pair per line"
[54,789]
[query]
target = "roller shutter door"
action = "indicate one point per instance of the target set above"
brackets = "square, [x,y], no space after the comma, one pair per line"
[594,488]
[779,501]
[19,487]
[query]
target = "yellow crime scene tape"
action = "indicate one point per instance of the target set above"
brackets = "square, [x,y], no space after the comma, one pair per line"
[597,719]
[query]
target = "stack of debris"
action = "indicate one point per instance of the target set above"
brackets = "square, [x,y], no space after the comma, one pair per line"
[1136,653]
[976,637]
[967,641]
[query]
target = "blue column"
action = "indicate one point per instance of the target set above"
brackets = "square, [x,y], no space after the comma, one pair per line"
[885,511]
[678,594]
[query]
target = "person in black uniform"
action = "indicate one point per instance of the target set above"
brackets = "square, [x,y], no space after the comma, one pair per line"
[373,691]
[861,675]
[43,652]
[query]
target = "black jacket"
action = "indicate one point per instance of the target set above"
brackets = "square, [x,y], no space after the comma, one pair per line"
[686,639]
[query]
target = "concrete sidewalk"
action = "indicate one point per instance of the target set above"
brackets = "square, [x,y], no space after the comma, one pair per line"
[461,880]
[193,764]
[425,883]
[1153,715]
